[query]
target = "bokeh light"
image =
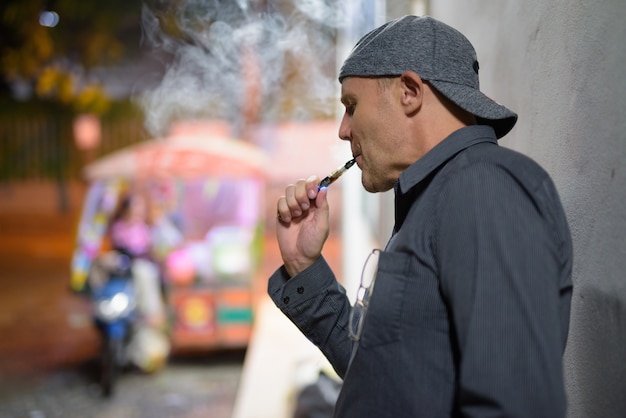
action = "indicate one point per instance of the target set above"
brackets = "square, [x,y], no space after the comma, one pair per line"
[49,18]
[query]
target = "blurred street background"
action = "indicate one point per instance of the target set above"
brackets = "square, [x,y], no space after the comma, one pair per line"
[95,94]
[81,81]
[49,347]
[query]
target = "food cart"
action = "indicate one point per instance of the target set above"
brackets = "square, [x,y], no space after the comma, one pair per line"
[206,200]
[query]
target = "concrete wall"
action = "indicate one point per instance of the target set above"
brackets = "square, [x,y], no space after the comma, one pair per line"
[562,66]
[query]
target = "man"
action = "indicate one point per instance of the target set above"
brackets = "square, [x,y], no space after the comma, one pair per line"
[470,309]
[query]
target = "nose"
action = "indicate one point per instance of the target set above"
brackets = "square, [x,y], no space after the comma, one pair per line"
[345,133]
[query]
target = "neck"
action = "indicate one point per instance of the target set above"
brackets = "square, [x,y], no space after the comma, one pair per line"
[442,119]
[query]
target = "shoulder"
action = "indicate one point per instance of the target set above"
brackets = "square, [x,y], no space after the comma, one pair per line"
[489,165]
[497,156]
[490,180]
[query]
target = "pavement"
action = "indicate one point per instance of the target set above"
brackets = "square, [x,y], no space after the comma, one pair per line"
[184,389]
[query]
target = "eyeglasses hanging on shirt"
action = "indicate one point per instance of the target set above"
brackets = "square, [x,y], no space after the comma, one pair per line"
[366,287]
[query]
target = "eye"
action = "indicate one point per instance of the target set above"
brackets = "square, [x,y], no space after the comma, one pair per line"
[350,108]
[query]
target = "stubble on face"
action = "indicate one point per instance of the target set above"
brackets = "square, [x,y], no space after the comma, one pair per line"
[372,126]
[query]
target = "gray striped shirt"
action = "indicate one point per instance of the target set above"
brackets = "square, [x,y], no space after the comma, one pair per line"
[470,311]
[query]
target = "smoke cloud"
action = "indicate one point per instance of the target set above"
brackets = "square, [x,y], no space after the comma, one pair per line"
[242,61]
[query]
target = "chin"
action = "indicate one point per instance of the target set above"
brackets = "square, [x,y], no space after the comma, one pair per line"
[377,187]
[372,188]
[375,183]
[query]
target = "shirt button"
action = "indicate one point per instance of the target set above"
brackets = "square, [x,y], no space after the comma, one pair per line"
[286,300]
[300,290]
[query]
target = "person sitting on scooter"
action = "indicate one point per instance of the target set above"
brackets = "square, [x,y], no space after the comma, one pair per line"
[130,234]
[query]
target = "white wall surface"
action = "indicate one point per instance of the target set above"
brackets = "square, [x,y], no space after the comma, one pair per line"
[562,66]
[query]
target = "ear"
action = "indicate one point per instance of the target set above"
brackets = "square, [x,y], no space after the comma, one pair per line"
[412,92]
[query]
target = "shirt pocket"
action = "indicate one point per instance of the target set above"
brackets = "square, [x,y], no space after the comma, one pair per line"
[382,322]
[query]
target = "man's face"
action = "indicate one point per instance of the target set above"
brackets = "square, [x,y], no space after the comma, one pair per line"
[373,123]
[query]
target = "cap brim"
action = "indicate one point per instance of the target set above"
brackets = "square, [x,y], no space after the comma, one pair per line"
[487,111]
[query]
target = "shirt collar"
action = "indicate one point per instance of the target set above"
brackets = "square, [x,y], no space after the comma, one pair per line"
[455,142]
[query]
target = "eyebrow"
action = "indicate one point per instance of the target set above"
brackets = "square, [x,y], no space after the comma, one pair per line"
[347,98]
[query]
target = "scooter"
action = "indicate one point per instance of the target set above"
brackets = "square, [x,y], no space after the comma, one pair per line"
[114,311]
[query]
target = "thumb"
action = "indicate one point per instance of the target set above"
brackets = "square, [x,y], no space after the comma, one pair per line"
[321,200]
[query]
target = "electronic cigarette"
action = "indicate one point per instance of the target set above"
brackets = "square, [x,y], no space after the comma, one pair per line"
[330,179]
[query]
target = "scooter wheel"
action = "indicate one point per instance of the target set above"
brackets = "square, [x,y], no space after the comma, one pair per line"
[109,355]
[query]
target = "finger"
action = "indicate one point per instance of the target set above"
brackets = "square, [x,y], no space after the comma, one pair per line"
[312,187]
[304,201]
[293,206]
[283,214]
[320,199]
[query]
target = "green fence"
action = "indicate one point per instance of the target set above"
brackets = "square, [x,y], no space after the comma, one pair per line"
[43,147]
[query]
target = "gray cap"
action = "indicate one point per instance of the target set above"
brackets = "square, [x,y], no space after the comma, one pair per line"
[439,54]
